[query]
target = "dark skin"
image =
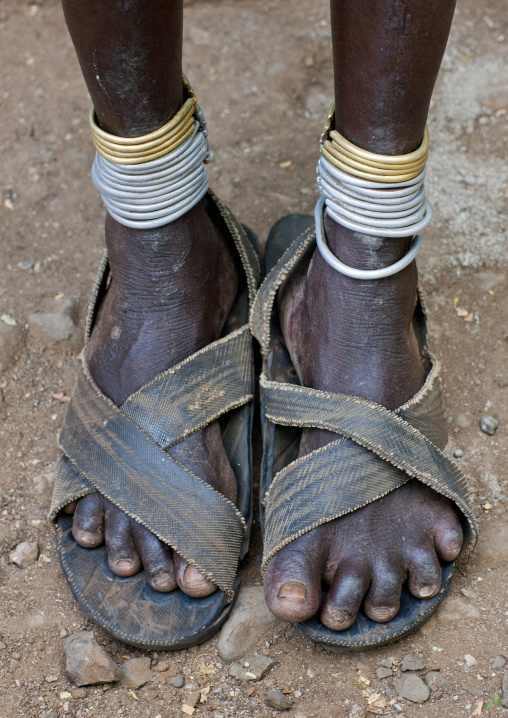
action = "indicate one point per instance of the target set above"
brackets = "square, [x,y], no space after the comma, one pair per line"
[158,309]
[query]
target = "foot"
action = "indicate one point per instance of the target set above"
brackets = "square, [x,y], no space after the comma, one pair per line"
[171,292]
[356,337]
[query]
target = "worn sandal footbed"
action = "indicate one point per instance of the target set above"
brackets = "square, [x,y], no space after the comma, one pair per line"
[378,450]
[120,452]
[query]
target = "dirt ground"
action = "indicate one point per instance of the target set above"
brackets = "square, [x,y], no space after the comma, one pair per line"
[262,72]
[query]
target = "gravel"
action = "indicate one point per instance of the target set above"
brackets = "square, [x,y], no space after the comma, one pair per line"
[248,621]
[136,672]
[383,672]
[177,682]
[277,700]
[254,668]
[25,554]
[489,425]
[86,662]
[412,688]
[412,663]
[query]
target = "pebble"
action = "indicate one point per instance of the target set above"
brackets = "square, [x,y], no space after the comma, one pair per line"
[177,682]
[253,668]
[502,382]
[458,453]
[63,633]
[44,483]
[246,625]
[499,662]
[277,700]
[357,711]
[57,326]
[25,554]
[413,689]
[412,663]
[80,693]
[136,672]
[162,666]
[458,609]
[387,662]
[87,663]
[469,181]
[50,714]
[504,697]
[489,425]
[383,672]
[191,699]
[12,343]
[435,681]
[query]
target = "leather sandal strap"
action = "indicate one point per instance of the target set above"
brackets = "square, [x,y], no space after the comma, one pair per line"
[195,392]
[389,451]
[122,462]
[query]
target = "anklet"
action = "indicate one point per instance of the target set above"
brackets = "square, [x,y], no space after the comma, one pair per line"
[149,181]
[332,260]
[380,195]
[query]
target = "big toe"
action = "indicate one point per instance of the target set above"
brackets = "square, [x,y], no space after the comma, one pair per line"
[190,580]
[293,582]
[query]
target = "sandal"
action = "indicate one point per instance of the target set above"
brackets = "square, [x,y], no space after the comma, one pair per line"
[389,447]
[120,452]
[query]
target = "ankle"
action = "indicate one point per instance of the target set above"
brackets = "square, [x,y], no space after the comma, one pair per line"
[154,265]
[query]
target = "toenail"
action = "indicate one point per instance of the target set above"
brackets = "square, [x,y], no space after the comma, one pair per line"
[426,591]
[295,592]
[192,576]
[336,616]
[162,580]
[87,537]
[383,612]
[124,564]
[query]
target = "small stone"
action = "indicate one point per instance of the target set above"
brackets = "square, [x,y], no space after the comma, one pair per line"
[458,609]
[277,700]
[57,326]
[502,382]
[25,554]
[50,714]
[504,697]
[246,625]
[435,681]
[191,699]
[463,420]
[63,633]
[80,693]
[177,682]
[470,660]
[51,679]
[469,181]
[458,453]
[136,672]
[499,662]
[387,662]
[12,344]
[162,666]
[87,663]
[44,483]
[357,711]
[489,425]
[253,668]
[412,663]
[412,688]
[16,655]
[383,672]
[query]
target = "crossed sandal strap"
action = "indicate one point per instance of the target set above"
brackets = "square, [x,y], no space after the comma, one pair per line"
[379,451]
[107,451]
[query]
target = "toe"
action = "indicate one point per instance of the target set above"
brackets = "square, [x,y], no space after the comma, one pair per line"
[70,508]
[156,558]
[293,580]
[383,599]
[424,573]
[88,523]
[190,580]
[345,596]
[123,559]
[448,539]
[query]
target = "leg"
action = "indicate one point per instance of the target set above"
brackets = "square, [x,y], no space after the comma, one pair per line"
[157,310]
[386,58]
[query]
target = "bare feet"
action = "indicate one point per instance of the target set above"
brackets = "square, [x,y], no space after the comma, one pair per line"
[356,337]
[171,292]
